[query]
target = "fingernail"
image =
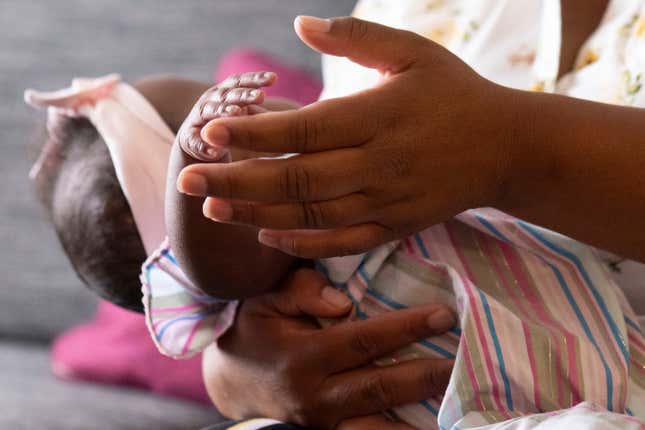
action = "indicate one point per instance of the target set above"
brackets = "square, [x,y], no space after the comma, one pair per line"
[335,297]
[232,109]
[268,75]
[311,23]
[219,210]
[268,239]
[192,184]
[441,320]
[215,134]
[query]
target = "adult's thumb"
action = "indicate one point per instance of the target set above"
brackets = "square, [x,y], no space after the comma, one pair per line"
[366,43]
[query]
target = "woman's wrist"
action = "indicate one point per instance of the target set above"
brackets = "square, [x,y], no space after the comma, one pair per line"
[576,168]
[527,160]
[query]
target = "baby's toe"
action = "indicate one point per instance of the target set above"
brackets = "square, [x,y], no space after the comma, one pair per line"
[192,144]
[249,80]
[227,102]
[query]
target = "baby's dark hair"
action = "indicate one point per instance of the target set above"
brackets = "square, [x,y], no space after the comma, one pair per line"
[78,187]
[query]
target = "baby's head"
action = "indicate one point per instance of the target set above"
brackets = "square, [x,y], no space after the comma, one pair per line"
[77,184]
[103,235]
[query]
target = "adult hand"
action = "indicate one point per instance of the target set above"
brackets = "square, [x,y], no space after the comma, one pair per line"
[429,141]
[277,362]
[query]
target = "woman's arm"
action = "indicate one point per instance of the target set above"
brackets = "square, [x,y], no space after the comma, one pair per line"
[579,168]
[431,140]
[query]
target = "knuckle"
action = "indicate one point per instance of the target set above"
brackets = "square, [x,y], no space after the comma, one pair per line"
[293,246]
[431,379]
[191,143]
[233,80]
[209,110]
[364,343]
[296,183]
[257,76]
[201,112]
[304,135]
[378,393]
[219,94]
[357,29]
[313,215]
[236,95]
[398,165]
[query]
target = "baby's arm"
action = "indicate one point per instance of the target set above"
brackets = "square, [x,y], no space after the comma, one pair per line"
[226,261]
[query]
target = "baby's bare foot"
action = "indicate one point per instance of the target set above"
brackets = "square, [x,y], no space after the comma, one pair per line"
[232,97]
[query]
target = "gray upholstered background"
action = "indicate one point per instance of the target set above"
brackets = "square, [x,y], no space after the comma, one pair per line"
[43,44]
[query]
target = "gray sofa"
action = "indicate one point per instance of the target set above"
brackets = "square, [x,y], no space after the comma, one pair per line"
[44,44]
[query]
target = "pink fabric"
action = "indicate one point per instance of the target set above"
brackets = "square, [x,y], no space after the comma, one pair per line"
[293,83]
[122,352]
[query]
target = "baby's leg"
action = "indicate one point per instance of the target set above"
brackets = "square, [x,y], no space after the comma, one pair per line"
[225,260]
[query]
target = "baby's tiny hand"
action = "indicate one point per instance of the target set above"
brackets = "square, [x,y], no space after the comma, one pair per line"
[232,97]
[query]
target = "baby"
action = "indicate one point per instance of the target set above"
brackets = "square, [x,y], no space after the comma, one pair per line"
[538,311]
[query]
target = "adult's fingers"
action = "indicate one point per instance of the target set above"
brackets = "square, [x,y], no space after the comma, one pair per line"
[306,177]
[372,422]
[371,390]
[307,292]
[369,44]
[343,211]
[324,125]
[338,242]
[356,343]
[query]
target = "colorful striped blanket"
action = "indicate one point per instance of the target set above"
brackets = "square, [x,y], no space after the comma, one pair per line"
[545,334]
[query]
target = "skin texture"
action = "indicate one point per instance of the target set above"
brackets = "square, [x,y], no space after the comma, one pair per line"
[332,361]
[363,179]
[215,256]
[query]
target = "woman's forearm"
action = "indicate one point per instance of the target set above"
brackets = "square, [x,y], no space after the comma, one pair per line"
[579,168]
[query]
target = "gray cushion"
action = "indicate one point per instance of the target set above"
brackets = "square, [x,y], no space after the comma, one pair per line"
[30,398]
[44,44]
